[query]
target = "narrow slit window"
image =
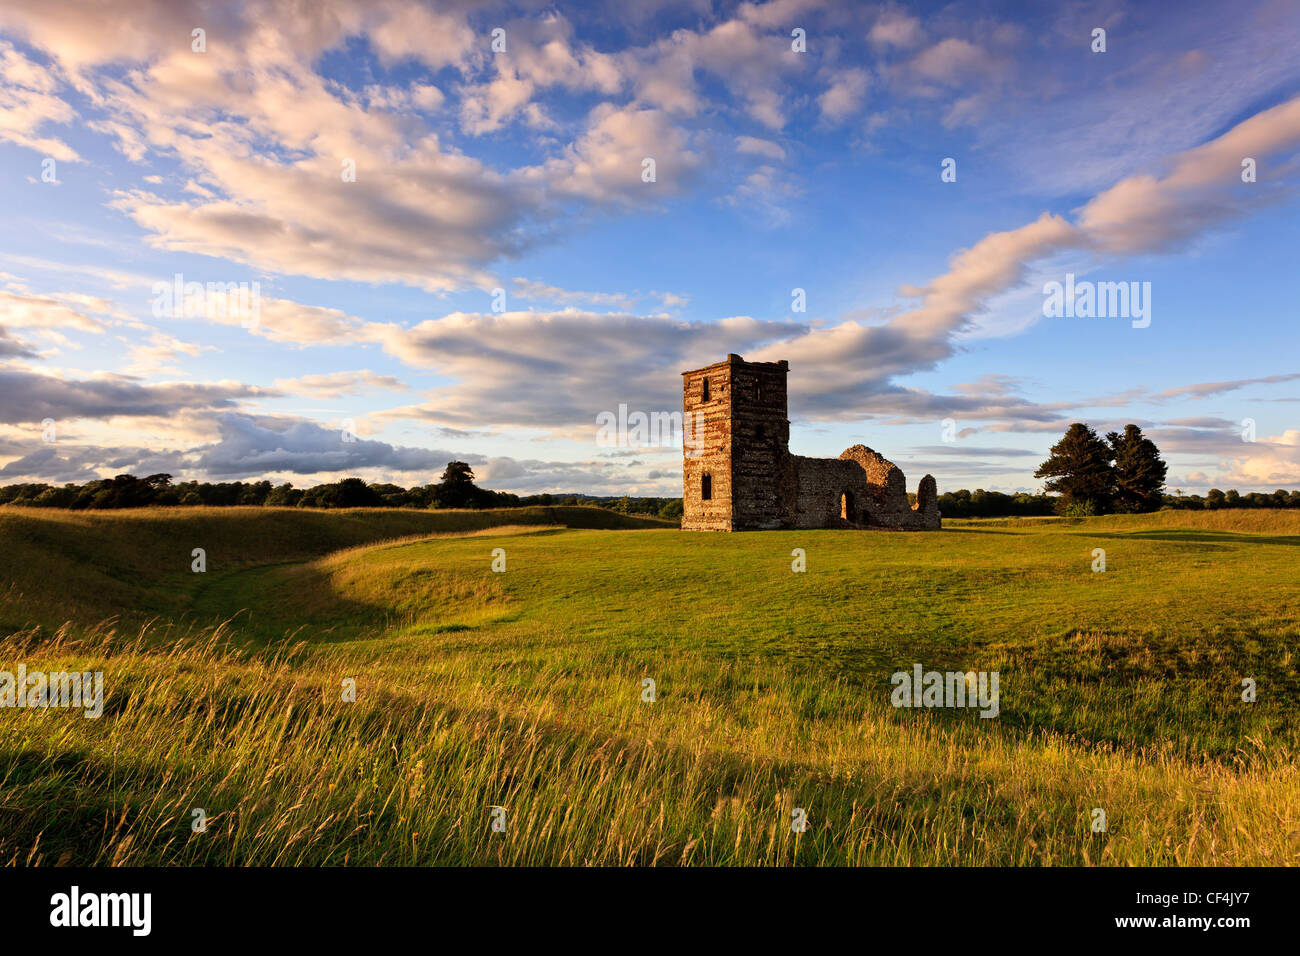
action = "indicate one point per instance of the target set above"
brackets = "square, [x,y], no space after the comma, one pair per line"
[704,390]
[706,488]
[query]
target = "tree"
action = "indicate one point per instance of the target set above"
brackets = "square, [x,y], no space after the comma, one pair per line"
[1214,500]
[1080,470]
[1139,471]
[282,496]
[349,493]
[125,491]
[673,509]
[255,493]
[456,488]
[457,473]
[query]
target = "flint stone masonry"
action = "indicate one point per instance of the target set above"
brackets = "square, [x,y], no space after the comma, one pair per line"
[739,474]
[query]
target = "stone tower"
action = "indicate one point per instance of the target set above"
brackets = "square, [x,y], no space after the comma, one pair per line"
[736,470]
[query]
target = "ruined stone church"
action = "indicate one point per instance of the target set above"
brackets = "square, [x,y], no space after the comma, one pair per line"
[740,476]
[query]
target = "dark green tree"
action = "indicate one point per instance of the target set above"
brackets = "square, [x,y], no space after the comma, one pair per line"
[673,509]
[255,493]
[456,488]
[349,493]
[1139,471]
[1080,471]
[282,496]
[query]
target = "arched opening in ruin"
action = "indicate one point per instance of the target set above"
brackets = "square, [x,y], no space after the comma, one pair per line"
[706,488]
[846,507]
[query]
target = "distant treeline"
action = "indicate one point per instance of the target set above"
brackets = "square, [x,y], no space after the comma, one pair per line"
[456,489]
[995,504]
[1232,499]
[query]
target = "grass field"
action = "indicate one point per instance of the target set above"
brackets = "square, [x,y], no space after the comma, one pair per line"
[522,690]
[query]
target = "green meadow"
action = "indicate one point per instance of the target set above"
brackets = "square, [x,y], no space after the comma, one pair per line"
[518,695]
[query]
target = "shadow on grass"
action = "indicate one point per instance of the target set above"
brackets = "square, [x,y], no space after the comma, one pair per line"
[301,602]
[261,604]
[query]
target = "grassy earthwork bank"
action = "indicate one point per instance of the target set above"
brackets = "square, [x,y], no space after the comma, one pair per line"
[524,690]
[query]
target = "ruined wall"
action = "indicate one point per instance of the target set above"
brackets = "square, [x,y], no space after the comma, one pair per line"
[742,441]
[887,505]
[822,484]
[886,486]
[926,510]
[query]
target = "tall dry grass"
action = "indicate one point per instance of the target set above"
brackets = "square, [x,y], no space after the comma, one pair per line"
[709,774]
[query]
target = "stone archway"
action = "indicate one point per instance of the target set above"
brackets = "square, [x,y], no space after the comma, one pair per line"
[847,511]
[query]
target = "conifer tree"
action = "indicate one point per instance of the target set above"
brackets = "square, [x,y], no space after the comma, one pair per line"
[1139,471]
[1080,471]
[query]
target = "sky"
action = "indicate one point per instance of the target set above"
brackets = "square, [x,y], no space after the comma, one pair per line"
[434,231]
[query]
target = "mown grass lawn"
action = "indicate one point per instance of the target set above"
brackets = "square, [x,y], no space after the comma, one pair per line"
[523,690]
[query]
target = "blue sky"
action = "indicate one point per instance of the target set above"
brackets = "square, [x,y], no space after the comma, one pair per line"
[129,156]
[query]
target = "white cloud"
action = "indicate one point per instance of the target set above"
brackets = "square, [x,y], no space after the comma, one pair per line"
[844,96]
[738,53]
[541,291]
[896,28]
[335,384]
[525,369]
[1273,461]
[28,101]
[759,147]
[606,162]
[32,396]
[48,312]
[1145,213]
